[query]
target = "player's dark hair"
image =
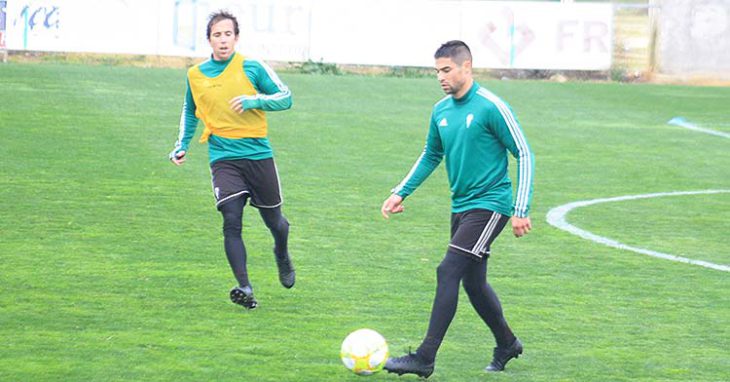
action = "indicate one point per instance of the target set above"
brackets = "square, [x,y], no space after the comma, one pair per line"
[455,50]
[220,16]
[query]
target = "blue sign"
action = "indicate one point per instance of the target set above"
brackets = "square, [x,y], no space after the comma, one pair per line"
[3,5]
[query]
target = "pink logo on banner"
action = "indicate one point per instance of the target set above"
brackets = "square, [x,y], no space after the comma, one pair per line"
[505,38]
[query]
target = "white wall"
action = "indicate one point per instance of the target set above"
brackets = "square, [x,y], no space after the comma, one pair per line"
[694,37]
[526,35]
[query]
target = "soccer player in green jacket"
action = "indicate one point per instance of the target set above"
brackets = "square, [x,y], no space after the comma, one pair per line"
[231,95]
[474,130]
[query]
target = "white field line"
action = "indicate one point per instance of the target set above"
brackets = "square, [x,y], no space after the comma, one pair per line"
[681,122]
[556,218]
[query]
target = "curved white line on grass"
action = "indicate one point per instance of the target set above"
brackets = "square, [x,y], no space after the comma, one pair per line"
[681,122]
[556,218]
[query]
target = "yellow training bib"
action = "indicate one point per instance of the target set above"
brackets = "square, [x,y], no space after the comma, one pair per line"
[212,96]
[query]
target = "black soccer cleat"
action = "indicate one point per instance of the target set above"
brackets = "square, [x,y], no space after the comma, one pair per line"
[287,275]
[503,355]
[409,364]
[244,296]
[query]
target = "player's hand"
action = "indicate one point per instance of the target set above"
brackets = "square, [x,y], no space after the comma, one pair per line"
[392,205]
[237,104]
[178,158]
[521,226]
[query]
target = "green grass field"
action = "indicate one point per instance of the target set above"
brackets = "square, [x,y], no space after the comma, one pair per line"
[112,267]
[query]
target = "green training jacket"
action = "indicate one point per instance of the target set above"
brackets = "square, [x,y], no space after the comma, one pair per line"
[474,134]
[273,96]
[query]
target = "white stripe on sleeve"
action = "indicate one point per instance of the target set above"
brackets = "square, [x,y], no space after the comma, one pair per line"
[525,177]
[405,180]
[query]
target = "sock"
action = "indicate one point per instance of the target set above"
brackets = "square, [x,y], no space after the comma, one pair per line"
[279,227]
[449,274]
[232,212]
[428,349]
[487,305]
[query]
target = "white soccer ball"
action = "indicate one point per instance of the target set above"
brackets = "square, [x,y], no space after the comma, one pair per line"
[364,352]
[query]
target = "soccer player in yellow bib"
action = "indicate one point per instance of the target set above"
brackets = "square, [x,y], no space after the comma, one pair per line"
[231,95]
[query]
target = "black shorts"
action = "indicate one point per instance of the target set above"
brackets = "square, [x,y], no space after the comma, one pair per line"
[257,179]
[473,231]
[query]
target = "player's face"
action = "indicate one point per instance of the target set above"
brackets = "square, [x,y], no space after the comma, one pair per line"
[453,77]
[223,39]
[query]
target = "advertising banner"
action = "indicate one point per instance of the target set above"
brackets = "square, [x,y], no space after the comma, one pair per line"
[502,34]
[3,5]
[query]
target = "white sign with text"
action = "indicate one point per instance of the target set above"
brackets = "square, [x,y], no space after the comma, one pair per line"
[502,34]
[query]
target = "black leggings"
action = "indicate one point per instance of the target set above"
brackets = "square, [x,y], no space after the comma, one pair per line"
[232,212]
[455,268]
